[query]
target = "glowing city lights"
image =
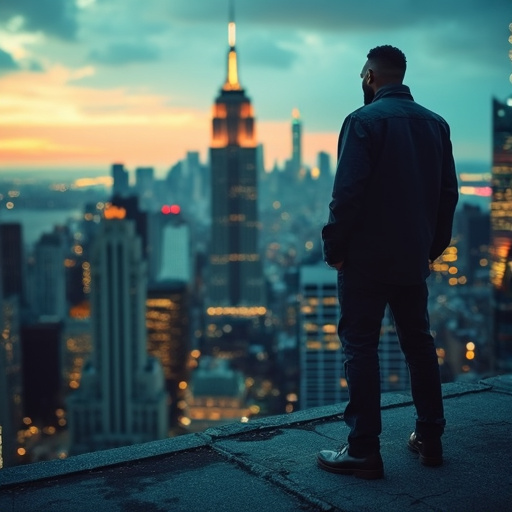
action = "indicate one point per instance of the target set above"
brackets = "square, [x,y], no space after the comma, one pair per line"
[114,212]
[172,209]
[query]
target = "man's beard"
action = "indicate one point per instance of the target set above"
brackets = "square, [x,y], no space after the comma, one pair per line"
[368,94]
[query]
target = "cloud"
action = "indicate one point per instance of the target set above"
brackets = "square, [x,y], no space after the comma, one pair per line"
[53,17]
[473,24]
[52,120]
[265,51]
[340,15]
[7,63]
[119,54]
[54,100]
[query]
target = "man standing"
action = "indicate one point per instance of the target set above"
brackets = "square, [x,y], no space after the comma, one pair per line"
[391,215]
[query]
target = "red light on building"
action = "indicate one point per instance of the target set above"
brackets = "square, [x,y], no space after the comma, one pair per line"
[173,208]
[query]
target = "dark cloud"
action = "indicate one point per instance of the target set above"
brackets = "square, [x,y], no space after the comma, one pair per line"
[469,30]
[264,51]
[7,63]
[53,17]
[343,15]
[119,54]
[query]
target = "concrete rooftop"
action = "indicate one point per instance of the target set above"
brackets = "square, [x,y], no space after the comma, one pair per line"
[270,465]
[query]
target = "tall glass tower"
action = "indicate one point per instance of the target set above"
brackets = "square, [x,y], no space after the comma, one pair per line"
[236,275]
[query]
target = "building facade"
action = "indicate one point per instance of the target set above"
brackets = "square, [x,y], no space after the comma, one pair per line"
[121,399]
[501,233]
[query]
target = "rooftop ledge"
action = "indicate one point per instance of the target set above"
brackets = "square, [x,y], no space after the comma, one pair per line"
[269,464]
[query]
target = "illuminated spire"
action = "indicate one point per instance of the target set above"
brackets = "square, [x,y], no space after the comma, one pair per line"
[232,83]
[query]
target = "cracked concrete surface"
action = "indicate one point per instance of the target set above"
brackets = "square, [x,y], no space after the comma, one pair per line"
[270,465]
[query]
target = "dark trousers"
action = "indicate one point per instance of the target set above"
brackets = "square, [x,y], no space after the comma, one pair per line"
[363,302]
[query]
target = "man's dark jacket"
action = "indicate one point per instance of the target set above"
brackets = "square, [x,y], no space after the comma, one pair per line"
[395,190]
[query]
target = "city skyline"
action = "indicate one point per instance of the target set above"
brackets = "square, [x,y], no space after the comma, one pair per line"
[89,83]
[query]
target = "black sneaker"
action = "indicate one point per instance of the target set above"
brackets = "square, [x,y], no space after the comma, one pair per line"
[430,450]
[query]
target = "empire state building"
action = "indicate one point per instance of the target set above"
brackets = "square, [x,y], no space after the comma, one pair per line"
[236,275]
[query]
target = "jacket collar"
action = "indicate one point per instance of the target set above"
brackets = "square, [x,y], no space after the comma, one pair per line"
[395,91]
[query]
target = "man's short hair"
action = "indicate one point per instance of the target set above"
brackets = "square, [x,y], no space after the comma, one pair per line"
[390,57]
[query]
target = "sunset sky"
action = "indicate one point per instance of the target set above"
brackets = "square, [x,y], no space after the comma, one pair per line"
[85,83]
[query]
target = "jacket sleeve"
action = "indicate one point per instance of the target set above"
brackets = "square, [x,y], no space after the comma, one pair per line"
[447,201]
[352,175]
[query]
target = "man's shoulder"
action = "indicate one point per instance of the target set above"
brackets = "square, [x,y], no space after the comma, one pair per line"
[393,107]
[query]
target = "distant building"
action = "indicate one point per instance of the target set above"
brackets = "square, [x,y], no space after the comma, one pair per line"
[121,399]
[11,412]
[474,231]
[169,246]
[48,287]
[144,187]
[322,375]
[296,160]
[12,260]
[217,395]
[236,285]
[42,377]
[194,177]
[131,205]
[121,186]
[76,349]
[188,183]
[168,328]
[501,233]
[324,166]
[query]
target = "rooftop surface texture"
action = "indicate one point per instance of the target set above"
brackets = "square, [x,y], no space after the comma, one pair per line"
[270,465]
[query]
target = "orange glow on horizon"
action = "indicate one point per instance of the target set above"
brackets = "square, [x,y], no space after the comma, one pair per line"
[47,121]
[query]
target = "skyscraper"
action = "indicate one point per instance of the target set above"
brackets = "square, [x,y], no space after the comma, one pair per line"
[120,186]
[144,186]
[236,276]
[11,259]
[48,296]
[121,399]
[296,161]
[324,166]
[501,232]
